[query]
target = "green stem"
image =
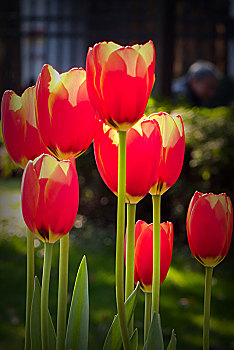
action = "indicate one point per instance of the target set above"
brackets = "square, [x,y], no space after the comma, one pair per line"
[62,293]
[120,240]
[130,250]
[148,301]
[156,254]
[207,298]
[30,286]
[45,295]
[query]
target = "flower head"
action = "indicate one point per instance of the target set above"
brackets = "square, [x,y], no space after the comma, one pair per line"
[173,141]
[65,117]
[143,153]
[143,270]
[209,227]
[119,81]
[19,128]
[49,197]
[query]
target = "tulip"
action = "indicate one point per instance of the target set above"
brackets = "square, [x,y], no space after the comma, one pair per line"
[143,263]
[119,81]
[143,153]
[23,143]
[143,270]
[173,140]
[19,129]
[49,197]
[65,117]
[209,227]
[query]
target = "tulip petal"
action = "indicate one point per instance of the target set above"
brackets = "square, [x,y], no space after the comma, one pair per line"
[61,198]
[106,155]
[139,228]
[122,90]
[140,173]
[30,190]
[148,52]
[28,103]
[68,78]
[173,139]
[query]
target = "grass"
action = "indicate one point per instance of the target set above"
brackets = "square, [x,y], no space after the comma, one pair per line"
[181,302]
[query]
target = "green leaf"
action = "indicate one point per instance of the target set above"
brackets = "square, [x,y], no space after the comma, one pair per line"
[78,321]
[134,340]
[172,343]
[155,337]
[114,340]
[52,334]
[36,321]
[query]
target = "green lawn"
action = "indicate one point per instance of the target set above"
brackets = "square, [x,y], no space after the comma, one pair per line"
[181,294]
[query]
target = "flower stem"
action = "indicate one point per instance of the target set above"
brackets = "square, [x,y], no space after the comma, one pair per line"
[130,250]
[207,298]
[120,240]
[45,295]
[62,292]
[156,254]
[30,286]
[148,300]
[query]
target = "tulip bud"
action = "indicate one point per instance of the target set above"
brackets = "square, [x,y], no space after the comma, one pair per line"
[143,270]
[19,129]
[65,117]
[209,227]
[119,81]
[49,197]
[143,153]
[173,141]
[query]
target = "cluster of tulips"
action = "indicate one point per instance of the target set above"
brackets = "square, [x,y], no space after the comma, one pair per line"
[54,122]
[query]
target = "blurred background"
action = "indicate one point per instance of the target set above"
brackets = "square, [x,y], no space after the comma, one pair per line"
[59,33]
[34,32]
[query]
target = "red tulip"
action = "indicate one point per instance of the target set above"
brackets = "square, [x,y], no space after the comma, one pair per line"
[173,139]
[143,152]
[49,197]
[65,117]
[143,270]
[119,81]
[19,129]
[209,227]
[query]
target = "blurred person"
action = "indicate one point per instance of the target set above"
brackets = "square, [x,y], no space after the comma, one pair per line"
[199,85]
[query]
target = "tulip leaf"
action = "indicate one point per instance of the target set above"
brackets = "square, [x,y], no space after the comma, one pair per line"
[155,337]
[52,334]
[78,321]
[114,340]
[36,321]
[172,343]
[134,340]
